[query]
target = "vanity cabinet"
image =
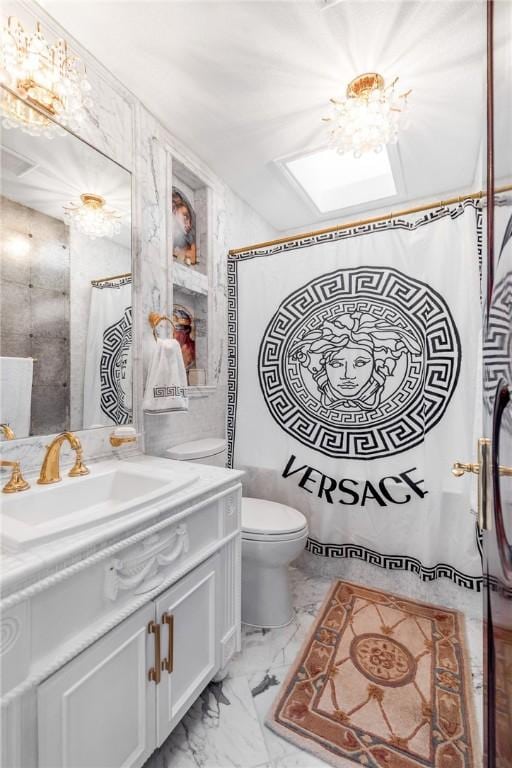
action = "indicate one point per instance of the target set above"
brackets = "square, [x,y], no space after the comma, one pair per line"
[189,618]
[118,700]
[99,709]
[103,654]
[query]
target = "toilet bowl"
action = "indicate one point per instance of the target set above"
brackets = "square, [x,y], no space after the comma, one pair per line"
[273,535]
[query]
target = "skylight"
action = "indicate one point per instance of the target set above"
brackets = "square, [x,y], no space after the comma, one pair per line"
[334,181]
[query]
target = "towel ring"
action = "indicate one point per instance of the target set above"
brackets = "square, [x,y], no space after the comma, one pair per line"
[155,319]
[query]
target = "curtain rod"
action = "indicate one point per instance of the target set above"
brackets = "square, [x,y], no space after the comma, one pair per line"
[108,279]
[371,220]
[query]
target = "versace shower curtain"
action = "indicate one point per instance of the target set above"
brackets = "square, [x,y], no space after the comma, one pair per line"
[353,361]
[108,360]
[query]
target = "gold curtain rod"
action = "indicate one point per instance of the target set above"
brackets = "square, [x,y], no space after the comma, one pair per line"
[371,220]
[108,279]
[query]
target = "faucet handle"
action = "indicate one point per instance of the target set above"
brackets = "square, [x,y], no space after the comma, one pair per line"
[16,482]
[7,432]
[459,468]
[78,469]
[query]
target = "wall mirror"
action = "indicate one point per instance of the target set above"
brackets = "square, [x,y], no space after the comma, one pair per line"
[66,286]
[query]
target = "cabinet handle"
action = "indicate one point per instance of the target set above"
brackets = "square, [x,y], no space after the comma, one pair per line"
[168,663]
[154,672]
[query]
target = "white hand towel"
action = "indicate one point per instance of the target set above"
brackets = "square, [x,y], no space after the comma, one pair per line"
[166,385]
[16,393]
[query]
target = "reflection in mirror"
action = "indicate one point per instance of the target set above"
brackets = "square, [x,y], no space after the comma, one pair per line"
[65,316]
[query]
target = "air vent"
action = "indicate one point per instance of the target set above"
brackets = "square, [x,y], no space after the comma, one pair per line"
[14,164]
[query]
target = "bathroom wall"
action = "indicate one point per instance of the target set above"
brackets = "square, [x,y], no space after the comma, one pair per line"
[34,319]
[123,129]
[232,223]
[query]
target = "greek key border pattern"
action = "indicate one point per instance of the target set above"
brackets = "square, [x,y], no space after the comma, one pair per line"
[232,399]
[480,244]
[396,563]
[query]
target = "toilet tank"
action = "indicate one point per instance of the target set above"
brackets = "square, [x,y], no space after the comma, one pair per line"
[209,450]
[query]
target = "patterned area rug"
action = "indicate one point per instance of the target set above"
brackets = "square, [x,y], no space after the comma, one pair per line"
[381,680]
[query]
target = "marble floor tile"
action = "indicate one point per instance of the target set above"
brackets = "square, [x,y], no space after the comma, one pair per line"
[265,687]
[308,588]
[281,751]
[266,648]
[474,636]
[220,730]
[301,759]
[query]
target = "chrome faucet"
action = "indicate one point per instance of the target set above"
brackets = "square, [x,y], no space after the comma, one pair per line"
[50,469]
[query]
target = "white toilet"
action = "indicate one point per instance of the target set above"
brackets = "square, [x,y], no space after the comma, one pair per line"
[273,535]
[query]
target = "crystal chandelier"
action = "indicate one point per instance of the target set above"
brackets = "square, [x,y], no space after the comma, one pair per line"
[44,76]
[370,117]
[92,218]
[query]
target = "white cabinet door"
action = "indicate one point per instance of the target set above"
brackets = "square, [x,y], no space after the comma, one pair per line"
[98,711]
[189,614]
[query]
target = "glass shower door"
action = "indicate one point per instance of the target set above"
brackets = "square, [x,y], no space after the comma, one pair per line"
[497,389]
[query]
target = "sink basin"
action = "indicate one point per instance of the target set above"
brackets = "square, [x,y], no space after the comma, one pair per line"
[51,511]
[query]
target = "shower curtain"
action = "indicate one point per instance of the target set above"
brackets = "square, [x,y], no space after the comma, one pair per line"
[108,359]
[353,366]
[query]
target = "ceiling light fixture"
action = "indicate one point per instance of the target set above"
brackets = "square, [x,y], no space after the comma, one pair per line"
[92,218]
[370,117]
[45,76]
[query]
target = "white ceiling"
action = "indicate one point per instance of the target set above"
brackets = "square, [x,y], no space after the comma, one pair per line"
[59,171]
[246,82]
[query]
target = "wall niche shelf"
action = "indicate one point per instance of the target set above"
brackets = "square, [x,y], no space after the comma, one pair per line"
[190,250]
[188,280]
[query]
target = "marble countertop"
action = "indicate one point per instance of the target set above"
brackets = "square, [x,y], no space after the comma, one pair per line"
[23,567]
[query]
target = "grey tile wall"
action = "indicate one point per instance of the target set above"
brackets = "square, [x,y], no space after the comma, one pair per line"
[34,310]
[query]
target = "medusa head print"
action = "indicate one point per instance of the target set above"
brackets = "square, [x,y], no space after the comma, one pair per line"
[352,356]
[360,363]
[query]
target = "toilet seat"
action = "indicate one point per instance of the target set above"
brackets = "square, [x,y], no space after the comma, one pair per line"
[264,520]
[274,537]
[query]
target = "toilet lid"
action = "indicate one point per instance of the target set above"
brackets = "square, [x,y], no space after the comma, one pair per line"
[262,516]
[197,449]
